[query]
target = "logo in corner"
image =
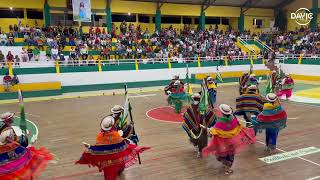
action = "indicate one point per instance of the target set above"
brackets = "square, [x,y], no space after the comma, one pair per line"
[302,16]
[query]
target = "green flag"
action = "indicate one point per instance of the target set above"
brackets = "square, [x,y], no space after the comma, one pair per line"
[23,122]
[126,107]
[269,85]
[218,75]
[203,105]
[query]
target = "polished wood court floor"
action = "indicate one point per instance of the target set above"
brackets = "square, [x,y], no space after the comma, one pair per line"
[65,124]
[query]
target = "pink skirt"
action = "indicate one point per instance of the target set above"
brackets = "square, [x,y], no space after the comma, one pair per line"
[229,146]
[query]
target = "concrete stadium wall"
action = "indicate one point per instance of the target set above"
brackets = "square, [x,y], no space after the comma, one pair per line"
[110,77]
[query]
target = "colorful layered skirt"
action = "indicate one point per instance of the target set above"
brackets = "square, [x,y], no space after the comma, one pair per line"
[18,162]
[177,100]
[111,158]
[230,142]
[271,118]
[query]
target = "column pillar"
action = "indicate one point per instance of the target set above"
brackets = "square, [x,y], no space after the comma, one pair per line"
[315,11]
[202,20]
[158,20]
[46,11]
[108,18]
[241,22]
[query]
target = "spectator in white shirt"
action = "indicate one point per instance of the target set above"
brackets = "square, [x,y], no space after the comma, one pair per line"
[3,38]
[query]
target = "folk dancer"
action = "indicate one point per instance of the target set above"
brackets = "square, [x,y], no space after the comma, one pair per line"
[249,103]
[168,89]
[192,120]
[178,96]
[242,82]
[287,86]
[18,160]
[111,153]
[212,91]
[273,118]
[229,138]
[127,128]
[275,81]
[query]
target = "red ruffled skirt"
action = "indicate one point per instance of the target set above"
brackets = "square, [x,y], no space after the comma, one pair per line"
[229,146]
[112,164]
[31,164]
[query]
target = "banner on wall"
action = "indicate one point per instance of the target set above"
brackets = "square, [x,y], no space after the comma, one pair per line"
[81,10]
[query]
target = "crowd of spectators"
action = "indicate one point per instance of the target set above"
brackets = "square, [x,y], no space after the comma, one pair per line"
[132,42]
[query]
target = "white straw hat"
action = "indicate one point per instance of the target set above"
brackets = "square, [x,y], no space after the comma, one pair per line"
[107,123]
[196,95]
[225,109]
[6,116]
[271,97]
[117,109]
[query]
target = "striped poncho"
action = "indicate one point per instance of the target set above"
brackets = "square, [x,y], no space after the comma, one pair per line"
[272,116]
[192,121]
[252,103]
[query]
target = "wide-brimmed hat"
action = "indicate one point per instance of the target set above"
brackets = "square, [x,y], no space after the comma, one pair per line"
[6,116]
[176,83]
[252,75]
[196,96]
[225,109]
[117,109]
[287,74]
[252,87]
[210,79]
[176,77]
[107,123]
[271,97]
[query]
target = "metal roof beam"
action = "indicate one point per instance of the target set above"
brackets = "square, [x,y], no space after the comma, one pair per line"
[248,4]
[206,4]
[283,3]
[160,3]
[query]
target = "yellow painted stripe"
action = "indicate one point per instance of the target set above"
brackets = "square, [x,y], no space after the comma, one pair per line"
[10,69]
[57,67]
[137,64]
[231,74]
[311,93]
[34,86]
[169,63]
[304,77]
[199,63]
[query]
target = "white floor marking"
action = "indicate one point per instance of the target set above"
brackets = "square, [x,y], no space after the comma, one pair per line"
[317,177]
[60,139]
[144,96]
[293,118]
[307,160]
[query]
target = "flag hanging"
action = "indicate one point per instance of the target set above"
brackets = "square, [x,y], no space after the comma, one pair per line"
[126,107]
[189,89]
[218,75]
[203,105]
[269,85]
[23,122]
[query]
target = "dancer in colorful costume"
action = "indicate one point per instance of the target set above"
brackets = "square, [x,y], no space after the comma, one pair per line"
[111,153]
[177,96]
[127,129]
[249,103]
[212,91]
[228,139]
[273,118]
[275,81]
[192,120]
[242,82]
[17,159]
[287,86]
[252,80]
[168,88]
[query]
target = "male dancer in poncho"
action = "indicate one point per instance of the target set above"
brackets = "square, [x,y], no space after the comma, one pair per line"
[229,138]
[127,128]
[242,82]
[272,119]
[249,103]
[192,121]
